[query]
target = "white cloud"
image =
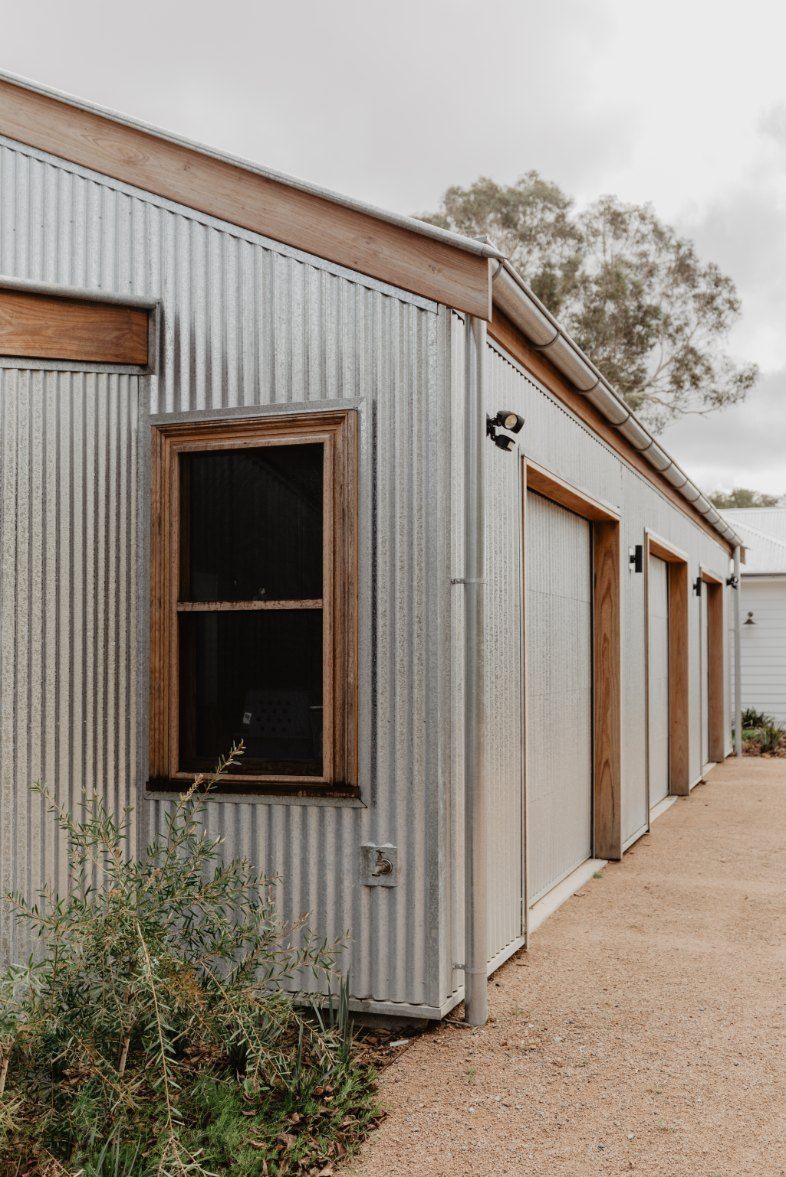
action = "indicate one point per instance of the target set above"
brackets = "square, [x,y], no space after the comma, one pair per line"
[744,446]
[682,105]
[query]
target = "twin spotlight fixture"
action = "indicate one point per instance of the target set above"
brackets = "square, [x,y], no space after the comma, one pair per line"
[506,420]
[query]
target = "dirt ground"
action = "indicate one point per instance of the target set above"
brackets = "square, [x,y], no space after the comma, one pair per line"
[645,1029]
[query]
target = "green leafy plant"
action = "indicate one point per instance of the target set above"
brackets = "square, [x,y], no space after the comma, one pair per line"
[751,718]
[766,739]
[158,1032]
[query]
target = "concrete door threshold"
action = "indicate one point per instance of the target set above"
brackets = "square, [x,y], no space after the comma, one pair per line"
[659,809]
[540,911]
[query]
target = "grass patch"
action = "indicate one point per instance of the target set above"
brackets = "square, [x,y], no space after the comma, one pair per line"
[159,1031]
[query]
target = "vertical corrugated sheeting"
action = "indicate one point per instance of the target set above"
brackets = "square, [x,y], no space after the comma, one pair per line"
[245,325]
[557,440]
[69,611]
[503,686]
[248,325]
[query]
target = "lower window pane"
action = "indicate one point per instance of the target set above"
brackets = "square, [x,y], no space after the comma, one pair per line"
[255,676]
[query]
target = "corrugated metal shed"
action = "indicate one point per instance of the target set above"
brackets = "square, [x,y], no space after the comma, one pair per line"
[247,326]
[251,327]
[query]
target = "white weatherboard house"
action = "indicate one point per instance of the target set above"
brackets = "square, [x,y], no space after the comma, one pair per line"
[279,466]
[763,606]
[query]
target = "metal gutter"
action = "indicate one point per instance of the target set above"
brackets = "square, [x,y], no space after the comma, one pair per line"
[467,244]
[527,312]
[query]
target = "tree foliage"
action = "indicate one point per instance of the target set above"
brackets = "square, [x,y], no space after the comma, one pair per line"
[635,296]
[743,496]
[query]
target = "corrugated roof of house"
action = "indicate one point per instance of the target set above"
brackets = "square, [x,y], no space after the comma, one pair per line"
[763,530]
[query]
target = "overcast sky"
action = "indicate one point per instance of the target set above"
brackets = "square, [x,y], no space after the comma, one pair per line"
[681,103]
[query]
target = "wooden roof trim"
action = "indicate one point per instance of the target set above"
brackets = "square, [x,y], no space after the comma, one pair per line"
[543,482]
[659,547]
[508,336]
[348,236]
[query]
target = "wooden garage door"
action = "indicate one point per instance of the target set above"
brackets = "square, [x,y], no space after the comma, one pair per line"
[658,606]
[559,693]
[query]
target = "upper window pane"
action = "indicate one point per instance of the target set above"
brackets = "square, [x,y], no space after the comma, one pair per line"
[252,523]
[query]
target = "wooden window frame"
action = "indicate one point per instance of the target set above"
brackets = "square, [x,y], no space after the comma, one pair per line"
[606,688]
[715,667]
[679,670]
[337,432]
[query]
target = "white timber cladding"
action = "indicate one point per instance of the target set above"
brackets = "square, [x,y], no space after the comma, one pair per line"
[763,654]
[658,605]
[558,668]
[247,326]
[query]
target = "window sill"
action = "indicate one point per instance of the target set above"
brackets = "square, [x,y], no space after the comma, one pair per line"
[259,793]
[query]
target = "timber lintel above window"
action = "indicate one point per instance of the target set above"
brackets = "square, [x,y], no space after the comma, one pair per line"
[46,323]
[253,608]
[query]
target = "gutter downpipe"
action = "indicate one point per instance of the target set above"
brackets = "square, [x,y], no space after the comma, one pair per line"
[737,657]
[475,823]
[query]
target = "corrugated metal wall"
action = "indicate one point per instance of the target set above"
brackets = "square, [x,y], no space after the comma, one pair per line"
[249,326]
[557,440]
[246,326]
[69,610]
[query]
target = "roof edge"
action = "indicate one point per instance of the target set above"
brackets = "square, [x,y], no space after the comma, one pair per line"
[480,248]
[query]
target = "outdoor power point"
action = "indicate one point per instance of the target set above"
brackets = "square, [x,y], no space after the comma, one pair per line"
[378,865]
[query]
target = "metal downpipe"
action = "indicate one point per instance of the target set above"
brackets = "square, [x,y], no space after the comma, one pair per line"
[475,825]
[737,658]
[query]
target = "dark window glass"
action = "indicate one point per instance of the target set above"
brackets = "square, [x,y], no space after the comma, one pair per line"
[255,676]
[254,524]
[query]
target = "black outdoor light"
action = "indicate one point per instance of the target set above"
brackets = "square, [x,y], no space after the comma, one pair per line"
[697,586]
[636,558]
[508,420]
[733,582]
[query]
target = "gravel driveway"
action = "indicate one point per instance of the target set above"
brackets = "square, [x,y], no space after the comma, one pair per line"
[644,1029]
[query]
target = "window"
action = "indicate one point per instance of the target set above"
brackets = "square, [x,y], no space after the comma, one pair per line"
[253,624]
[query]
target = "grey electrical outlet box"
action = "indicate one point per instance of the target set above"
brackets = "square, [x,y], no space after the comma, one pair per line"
[378,865]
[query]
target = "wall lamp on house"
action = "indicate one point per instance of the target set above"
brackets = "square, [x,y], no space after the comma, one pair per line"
[749,619]
[733,582]
[697,586]
[507,420]
[636,559]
